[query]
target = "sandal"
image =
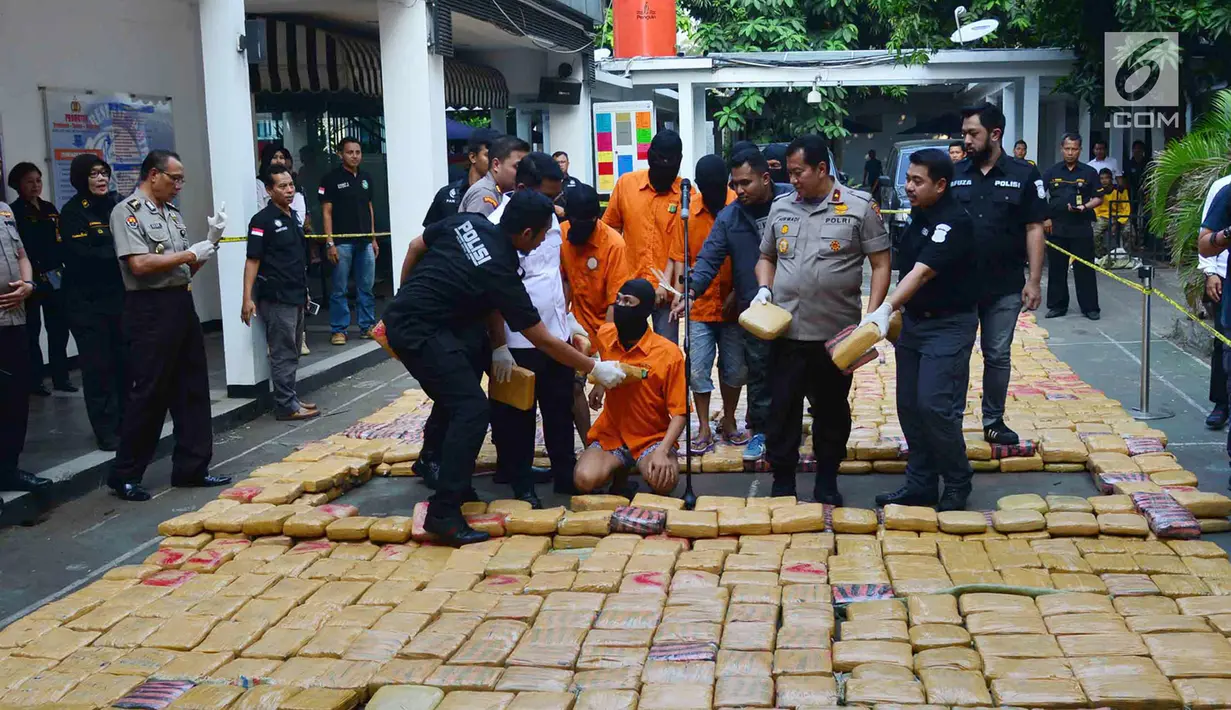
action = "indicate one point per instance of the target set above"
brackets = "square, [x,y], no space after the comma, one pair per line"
[701,445]
[739,437]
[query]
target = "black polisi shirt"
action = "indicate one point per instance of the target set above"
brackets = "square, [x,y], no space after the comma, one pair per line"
[350,194]
[469,270]
[276,239]
[1064,186]
[446,201]
[39,229]
[943,237]
[1001,203]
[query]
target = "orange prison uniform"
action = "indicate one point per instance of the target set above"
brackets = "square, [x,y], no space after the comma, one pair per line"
[636,414]
[708,307]
[647,220]
[595,271]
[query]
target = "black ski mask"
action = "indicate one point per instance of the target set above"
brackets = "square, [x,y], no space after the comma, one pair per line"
[664,156]
[582,208]
[631,322]
[775,155]
[712,179]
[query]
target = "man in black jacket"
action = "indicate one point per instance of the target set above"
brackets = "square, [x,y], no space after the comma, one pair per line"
[94,292]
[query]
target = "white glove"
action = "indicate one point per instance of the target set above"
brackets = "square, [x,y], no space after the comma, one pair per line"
[764,296]
[217,223]
[502,364]
[880,317]
[203,251]
[608,373]
[574,328]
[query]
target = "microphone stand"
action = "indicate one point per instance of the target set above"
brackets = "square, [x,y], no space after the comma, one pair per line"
[690,498]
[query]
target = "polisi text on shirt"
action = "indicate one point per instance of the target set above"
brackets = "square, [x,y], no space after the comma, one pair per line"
[472,245]
[1008,183]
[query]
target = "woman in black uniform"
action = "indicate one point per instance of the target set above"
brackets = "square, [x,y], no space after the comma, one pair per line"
[93,286]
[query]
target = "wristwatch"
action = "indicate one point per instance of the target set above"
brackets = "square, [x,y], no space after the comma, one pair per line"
[329,243]
[32,284]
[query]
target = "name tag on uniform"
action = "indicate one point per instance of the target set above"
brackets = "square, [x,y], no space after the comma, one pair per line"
[1008,183]
[280,229]
[343,186]
[965,182]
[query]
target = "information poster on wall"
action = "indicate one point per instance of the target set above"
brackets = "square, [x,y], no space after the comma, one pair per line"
[119,128]
[622,134]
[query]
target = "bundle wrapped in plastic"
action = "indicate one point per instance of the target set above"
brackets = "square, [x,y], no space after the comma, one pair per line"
[875,690]
[765,320]
[640,521]
[1167,517]
[1038,693]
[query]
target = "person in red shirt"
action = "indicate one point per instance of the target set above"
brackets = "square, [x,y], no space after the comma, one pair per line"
[645,207]
[712,328]
[642,420]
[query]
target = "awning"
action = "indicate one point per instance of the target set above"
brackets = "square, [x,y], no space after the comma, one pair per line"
[302,58]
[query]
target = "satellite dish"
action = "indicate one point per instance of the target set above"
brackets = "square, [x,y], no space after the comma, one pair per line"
[975,30]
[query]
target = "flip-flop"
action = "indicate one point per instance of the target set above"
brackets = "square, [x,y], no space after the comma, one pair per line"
[739,437]
[700,446]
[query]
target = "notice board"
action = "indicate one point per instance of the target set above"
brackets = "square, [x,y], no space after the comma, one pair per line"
[622,134]
[117,127]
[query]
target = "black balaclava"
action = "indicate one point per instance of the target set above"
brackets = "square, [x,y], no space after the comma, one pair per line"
[712,179]
[582,209]
[631,322]
[665,155]
[740,146]
[777,152]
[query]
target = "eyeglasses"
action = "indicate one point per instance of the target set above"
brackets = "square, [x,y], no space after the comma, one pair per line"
[100,172]
[177,179]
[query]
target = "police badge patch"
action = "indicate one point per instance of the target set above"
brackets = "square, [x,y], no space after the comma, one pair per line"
[783,245]
[131,221]
[592,263]
[835,246]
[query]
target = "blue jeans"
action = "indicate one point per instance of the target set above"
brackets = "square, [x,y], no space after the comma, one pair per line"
[998,319]
[728,341]
[359,257]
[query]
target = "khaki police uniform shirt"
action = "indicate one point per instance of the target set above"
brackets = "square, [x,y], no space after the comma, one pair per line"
[10,264]
[820,249]
[482,197]
[140,227]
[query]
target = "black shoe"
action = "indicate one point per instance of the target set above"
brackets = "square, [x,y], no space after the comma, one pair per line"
[1056,312]
[451,529]
[38,390]
[834,499]
[206,481]
[825,490]
[64,386]
[131,492]
[25,481]
[1092,315]
[953,499]
[109,443]
[783,486]
[906,496]
[471,496]
[1217,418]
[540,474]
[998,433]
[427,471]
[530,497]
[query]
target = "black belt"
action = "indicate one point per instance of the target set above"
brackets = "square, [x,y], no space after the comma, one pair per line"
[934,313]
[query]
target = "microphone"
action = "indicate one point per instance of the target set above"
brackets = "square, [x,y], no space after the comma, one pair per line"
[685,195]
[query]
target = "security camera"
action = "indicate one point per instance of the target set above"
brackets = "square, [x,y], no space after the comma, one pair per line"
[814,97]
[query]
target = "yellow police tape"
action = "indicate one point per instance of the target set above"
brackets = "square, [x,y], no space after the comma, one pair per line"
[230,240]
[1142,289]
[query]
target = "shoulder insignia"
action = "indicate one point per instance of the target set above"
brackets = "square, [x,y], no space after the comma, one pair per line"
[491,200]
[131,221]
[942,231]
[840,208]
[149,205]
[171,206]
[85,203]
[134,204]
[837,195]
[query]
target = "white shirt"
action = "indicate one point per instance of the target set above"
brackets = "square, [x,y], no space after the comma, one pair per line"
[1213,264]
[1110,163]
[298,203]
[541,277]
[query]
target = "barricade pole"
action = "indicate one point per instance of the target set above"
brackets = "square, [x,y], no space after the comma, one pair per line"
[1142,412]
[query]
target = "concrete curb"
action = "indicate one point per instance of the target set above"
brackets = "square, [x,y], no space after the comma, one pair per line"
[88,472]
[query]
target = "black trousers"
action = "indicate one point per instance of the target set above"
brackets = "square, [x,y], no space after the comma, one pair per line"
[933,361]
[1218,374]
[166,363]
[443,366]
[14,396]
[800,369]
[100,355]
[479,351]
[513,429]
[1077,238]
[54,315]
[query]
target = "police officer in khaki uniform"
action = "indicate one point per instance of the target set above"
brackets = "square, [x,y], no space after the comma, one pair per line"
[811,264]
[166,350]
[485,195]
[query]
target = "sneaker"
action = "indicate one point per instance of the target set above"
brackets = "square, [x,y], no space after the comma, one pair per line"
[756,448]
[338,339]
[303,346]
[1217,418]
[998,433]
[953,499]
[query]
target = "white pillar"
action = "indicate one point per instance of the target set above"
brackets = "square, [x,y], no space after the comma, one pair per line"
[524,129]
[1083,120]
[687,129]
[1008,105]
[228,115]
[1030,116]
[414,96]
[1057,119]
[569,129]
[702,136]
